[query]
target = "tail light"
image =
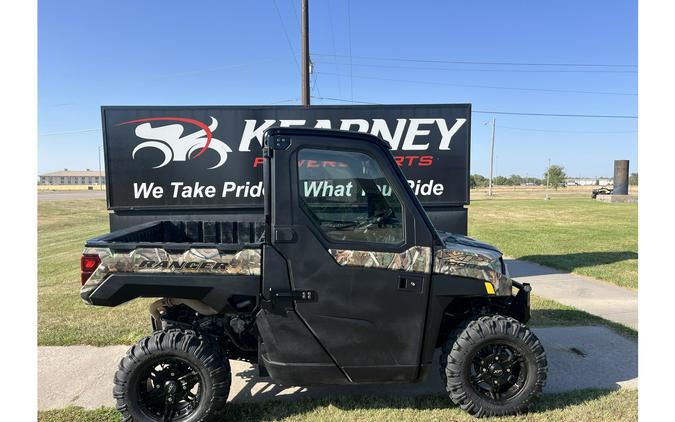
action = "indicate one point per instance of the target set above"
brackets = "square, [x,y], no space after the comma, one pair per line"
[88,264]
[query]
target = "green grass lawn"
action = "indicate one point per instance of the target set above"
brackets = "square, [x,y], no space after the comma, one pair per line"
[63,319]
[585,405]
[548,313]
[580,235]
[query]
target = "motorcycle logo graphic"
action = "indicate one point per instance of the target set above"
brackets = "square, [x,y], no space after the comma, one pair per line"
[175,147]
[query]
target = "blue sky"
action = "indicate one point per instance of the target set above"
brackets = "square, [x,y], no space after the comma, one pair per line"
[93,53]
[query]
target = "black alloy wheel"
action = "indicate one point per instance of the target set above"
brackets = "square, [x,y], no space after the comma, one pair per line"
[498,371]
[170,389]
[173,375]
[493,365]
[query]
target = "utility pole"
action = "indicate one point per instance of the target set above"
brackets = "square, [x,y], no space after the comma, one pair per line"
[548,176]
[492,156]
[304,41]
[100,177]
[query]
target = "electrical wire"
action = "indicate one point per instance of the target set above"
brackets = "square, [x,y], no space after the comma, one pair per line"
[566,131]
[286,101]
[349,32]
[345,100]
[514,113]
[401,59]
[74,132]
[565,91]
[390,66]
[332,37]
[295,12]
[288,39]
[68,132]
[315,85]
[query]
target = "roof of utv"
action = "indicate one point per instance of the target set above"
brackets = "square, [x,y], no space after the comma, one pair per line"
[302,131]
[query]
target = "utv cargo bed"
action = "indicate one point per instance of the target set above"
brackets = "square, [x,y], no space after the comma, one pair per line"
[182,234]
[181,259]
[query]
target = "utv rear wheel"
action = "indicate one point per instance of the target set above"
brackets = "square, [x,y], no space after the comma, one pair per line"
[493,366]
[172,375]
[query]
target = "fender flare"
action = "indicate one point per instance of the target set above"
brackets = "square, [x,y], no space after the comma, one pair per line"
[214,290]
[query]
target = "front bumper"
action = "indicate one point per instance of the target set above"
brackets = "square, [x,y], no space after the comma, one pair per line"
[519,306]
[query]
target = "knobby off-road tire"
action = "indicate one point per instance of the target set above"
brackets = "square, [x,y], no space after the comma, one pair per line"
[466,353]
[161,357]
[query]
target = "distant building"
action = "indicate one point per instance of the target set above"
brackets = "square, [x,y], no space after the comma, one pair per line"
[588,181]
[72,177]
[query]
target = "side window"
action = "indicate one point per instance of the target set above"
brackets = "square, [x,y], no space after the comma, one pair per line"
[347,195]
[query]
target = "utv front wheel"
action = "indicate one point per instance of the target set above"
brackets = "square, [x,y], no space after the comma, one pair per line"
[172,375]
[493,366]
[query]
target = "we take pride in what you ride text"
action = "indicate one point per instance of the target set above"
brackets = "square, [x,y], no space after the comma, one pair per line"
[314,188]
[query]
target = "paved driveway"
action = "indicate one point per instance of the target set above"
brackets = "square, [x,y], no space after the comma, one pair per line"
[579,357]
[613,303]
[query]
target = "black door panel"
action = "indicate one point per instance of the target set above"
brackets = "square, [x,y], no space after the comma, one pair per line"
[288,350]
[361,317]
[371,327]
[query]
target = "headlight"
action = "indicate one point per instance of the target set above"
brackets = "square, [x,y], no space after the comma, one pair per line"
[497,265]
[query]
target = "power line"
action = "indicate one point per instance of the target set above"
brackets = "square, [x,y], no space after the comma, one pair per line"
[68,132]
[315,85]
[600,116]
[349,32]
[207,70]
[332,37]
[288,39]
[78,131]
[491,63]
[286,101]
[345,100]
[390,66]
[568,131]
[295,12]
[71,132]
[59,105]
[514,113]
[566,91]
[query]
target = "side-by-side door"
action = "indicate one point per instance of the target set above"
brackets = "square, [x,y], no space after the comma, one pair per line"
[357,250]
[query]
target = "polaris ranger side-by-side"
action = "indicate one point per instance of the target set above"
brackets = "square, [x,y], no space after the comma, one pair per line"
[346,282]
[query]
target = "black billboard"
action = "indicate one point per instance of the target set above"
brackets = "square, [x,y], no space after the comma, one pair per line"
[210,156]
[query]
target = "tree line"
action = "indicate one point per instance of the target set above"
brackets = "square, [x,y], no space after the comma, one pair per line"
[556,175]
[480,181]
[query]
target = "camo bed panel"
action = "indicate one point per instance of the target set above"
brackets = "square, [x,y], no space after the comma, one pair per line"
[157,260]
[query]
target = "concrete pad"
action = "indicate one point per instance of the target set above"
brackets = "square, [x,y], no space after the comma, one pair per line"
[77,375]
[579,357]
[588,357]
[596,297]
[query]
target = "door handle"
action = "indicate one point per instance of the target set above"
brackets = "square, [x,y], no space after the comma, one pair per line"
[284,235]
[410,283]
[295,295]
